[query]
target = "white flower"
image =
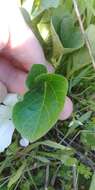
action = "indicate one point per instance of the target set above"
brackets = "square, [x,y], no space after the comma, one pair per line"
[6,132]
[6,124]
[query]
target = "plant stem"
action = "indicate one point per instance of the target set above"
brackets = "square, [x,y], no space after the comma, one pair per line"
[75,185]
[47,177]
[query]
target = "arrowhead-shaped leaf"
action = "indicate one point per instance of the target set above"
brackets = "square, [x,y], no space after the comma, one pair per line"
[66,38]
[71,38]
[41,106]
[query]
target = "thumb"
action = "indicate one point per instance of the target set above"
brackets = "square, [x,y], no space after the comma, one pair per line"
[67,110]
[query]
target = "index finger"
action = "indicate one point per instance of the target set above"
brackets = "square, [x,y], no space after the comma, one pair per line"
[22,45]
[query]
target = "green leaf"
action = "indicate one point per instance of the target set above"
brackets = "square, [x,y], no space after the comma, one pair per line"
[62,155]
[48,3]
[55,145]
[35,71]
[14,178]
[81,58]
[90,10]
[41,107]
[41,159]
[26,16]
[65,34]
[68,5]
[57,45]
[41,5]
[90,32]
[92,186]
[88,135]
[51,144]
[70,36]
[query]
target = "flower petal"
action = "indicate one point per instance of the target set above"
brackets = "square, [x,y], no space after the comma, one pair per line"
[3,92]
[24,142]
[5,114]
[11,99]
[2,110]
[6,132]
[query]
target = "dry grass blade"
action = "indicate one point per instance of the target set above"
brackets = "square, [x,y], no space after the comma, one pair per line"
[83,32]
[75,178]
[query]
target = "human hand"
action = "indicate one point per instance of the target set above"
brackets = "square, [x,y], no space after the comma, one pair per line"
[19,49]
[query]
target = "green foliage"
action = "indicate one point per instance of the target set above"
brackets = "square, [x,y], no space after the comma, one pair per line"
[85,171]
[90,32]
[34,116]
[25,186]
[40,5]
[66,38]
[35,71]
[15,177]
[88,135]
